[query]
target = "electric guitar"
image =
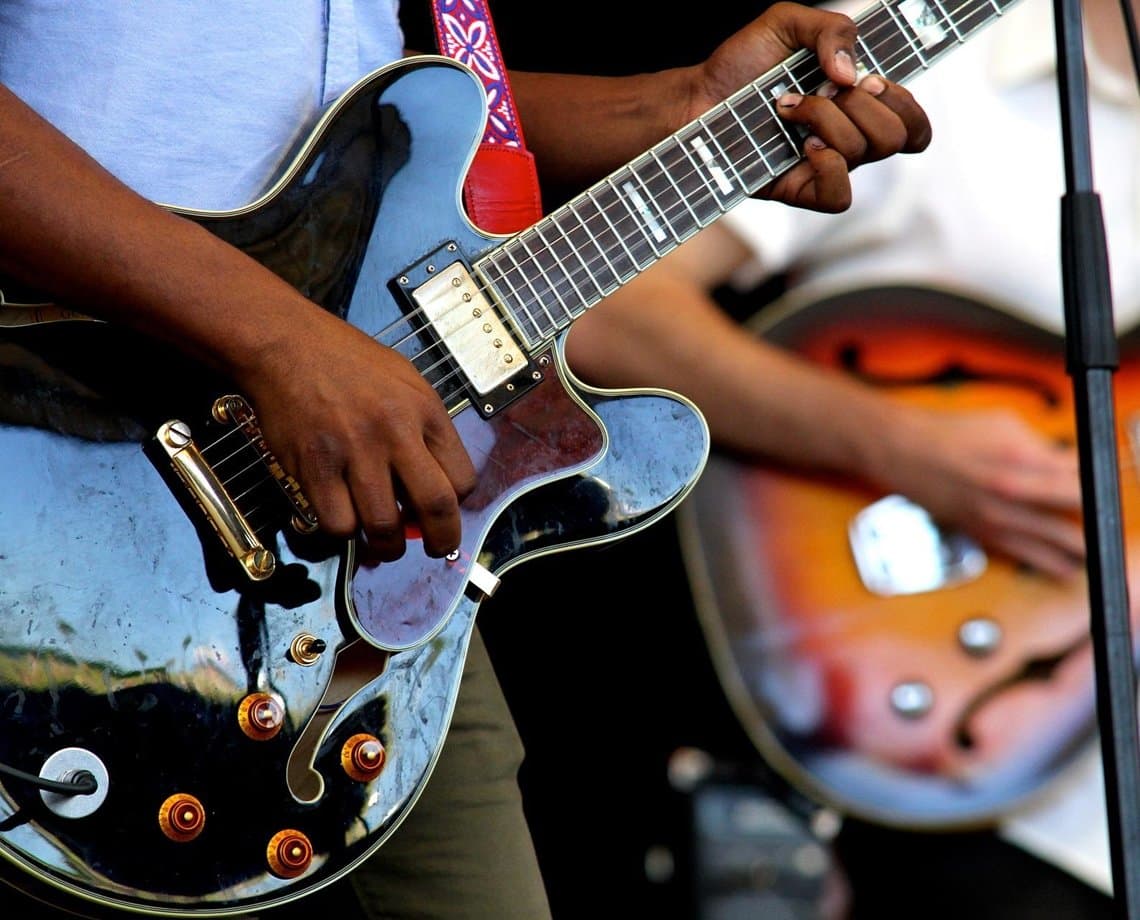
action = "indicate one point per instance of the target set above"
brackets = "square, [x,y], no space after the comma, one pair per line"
[887,667]
[250,708]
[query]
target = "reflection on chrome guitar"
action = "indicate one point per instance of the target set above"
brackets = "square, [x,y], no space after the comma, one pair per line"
[255,709]
[886,667]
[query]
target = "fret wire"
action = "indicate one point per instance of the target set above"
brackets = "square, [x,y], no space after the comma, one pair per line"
[894,15]
[614,229]
[597,244]
[792,77]
[658,201]
[653,202]
[758,147]
[578,253]
[566,271]
[643,224]
[680,194]
[724,157]
[701,171]
[779,121]
[953,25]
[530,284]
[549,282]
[870,54]
[641,215]
[520,304]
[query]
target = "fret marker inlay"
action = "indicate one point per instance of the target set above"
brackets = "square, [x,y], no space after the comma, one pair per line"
[924,21]
[706,156]
[643,209]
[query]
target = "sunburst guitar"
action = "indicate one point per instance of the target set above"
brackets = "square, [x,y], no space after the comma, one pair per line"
[887,667]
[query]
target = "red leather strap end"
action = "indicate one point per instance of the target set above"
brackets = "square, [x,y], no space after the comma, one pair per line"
[501,192]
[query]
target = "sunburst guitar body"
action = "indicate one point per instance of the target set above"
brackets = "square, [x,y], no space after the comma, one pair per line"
[885,666]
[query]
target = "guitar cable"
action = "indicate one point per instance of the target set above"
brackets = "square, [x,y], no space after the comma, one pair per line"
[81,782]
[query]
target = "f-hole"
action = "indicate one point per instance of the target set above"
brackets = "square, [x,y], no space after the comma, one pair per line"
[356,665]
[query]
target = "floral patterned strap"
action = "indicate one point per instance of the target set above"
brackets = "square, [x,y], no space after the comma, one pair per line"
[501,190]
[464,32]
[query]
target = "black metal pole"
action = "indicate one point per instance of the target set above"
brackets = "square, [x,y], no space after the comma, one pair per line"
[1092,358]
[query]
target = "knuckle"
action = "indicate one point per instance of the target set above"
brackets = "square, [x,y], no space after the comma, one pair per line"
[441,505]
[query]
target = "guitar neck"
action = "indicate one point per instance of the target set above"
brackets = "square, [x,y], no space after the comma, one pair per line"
[550,274]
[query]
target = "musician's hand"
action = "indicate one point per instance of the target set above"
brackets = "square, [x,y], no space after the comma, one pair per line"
[991,475]
[859,124]
[366,436]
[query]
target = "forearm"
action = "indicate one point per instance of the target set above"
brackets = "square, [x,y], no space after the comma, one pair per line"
[581,128]
[759,400]
[72,230]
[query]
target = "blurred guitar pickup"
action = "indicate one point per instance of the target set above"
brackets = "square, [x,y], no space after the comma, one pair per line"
[899,549]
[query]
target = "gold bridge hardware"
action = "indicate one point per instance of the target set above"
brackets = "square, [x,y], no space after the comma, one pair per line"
[236,411]
[211,495]
[220,510]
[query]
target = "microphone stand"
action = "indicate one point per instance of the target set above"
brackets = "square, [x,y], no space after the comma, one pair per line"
[1092,358]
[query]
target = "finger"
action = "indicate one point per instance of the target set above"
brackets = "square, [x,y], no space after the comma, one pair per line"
[1041,556]
[899,100]
[1018,522]
[321,475]
[1054,485]
[451,453]
[431,500]
[825,120]
[380,520]
[883,130]
[832,35]
[820,182]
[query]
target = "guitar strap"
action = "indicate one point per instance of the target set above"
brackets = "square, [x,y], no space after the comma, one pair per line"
[501,191]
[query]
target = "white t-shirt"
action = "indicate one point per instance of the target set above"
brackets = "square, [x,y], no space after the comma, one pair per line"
[191,104]
[979,210]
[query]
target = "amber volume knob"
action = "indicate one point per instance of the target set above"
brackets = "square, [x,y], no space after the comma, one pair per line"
[181,817]
[289,853]
[362,757]
[261,716]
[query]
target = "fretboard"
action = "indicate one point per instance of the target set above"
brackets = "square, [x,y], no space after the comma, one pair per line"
[550,274]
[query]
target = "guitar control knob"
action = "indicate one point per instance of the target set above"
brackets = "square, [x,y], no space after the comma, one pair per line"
[980,636]
[181,817]
[912,699]
[362,757]
[261,716]
[289,853]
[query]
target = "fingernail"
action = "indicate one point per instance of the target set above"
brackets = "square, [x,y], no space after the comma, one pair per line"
[789,100]
[846,65]
[827,90]
[814,143]
[873,84]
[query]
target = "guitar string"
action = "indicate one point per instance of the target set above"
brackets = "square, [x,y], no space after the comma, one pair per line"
[571,276]
[592,264]
[869,42]
[595,265]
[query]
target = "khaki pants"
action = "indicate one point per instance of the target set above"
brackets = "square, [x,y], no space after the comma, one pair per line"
[465,850]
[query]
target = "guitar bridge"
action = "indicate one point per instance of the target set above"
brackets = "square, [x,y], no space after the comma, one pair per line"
[211,494]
